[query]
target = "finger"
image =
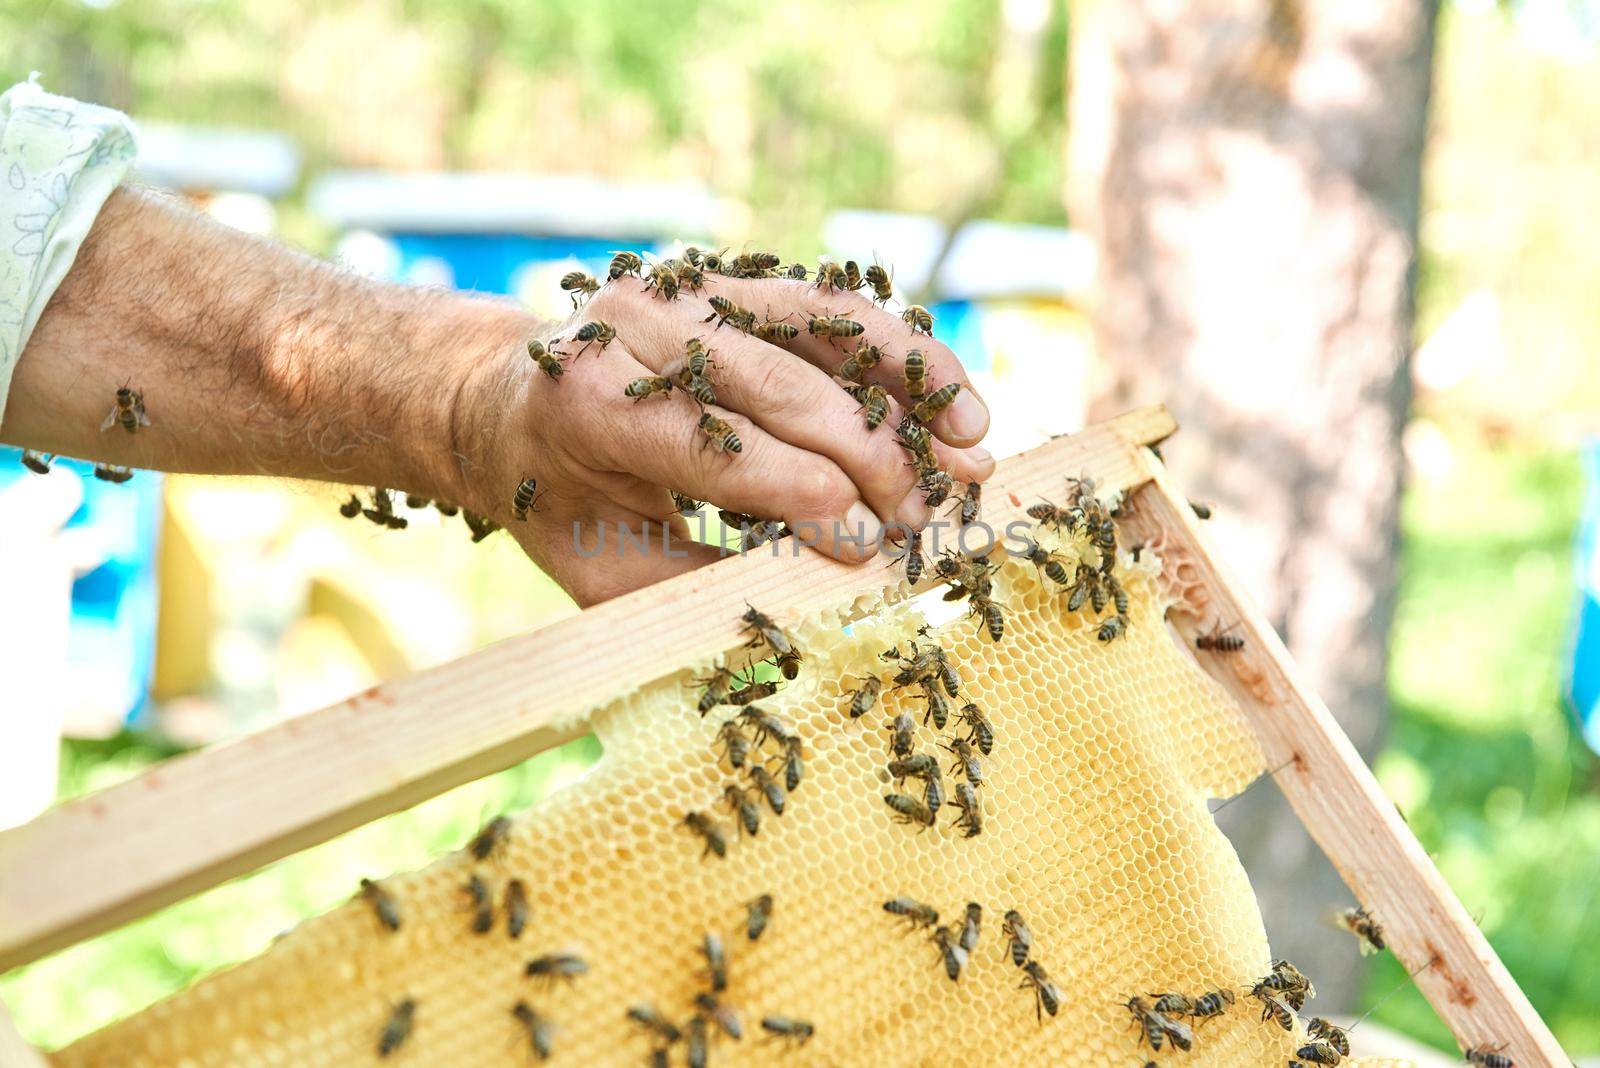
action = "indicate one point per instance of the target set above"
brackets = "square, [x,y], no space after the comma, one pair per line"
[962,424]
[603,551]
[659,441]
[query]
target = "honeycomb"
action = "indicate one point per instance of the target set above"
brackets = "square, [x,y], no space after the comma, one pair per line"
[1095,827]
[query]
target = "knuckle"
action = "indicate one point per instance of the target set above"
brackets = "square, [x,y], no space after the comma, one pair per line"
[821,489]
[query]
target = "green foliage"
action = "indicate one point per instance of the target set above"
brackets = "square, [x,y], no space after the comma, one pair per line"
[1482,757]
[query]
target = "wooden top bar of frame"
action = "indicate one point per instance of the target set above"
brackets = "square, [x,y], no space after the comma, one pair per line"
[194,821]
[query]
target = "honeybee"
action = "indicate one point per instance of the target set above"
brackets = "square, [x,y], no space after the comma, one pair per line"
[874,400]
[797,1031]
[686,505]
[901,732]
[482,904]
[830,275]
[1330,1033]
[383,904]
[763,629]
[720,1013]
[580,285]
[445,508]
[724,310]
[1152,1025]
[761,532]
[1360,923]
[1048,514]
[864,696]
[758,912]
[39,463]
[993,619]
[917,765]
[775,332]
[765,262]
[797,272]
[1276,1011]
[710,831]
[1318,1053]
[912,911]
[770,788]
[546,359]
[112,473]
[1173,1004]
[696,357]
[881,283]
[833,327]
[526,498]
[663,278]
[698,1042]
[490,840]
[1488,1058]
[913,557]
[1201,509]
[480,526]
[1112,628]
[1119,596]
[697,386]
[915,373]
[1046,995]
[716,960]
[382,510]
[747,814]
[736,744]
[979,732]
[1220,641]
[690,276]
[1289,979]
[625,263]
[852,275]
[1019,940]
[651,1020]
[554,966]
[766,725]
[128,410]
[793,764]
[1213,1003]
[951,954]
[971,820]
[719,434]
[918,318]
[541,1032]
[971,503]
[938,706]
[967,761]
[397,1028]
[933,793]
[351,508]
[752,691]
[858,363]
[516,899]
[1085,587]
[716,686]
[909,809]
[937,486]
[595,332]
[640,388]
[935,402]
[970,925]
[1045,561]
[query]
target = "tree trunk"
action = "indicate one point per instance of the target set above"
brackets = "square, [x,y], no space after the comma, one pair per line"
[1251,169]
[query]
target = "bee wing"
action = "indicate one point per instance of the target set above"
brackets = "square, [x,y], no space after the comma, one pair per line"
[144,418]
[109,421]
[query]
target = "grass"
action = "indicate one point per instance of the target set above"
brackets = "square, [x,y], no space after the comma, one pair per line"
[1482,755]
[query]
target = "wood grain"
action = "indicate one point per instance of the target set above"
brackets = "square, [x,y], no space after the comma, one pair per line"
[197,820]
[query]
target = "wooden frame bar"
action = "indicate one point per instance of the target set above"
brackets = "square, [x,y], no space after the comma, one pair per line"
[195,821]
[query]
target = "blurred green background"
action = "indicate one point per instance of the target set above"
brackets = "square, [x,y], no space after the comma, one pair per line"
[1481,756]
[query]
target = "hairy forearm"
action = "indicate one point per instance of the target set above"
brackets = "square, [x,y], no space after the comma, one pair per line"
[253,359]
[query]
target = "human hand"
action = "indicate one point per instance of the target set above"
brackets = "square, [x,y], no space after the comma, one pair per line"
[604,460]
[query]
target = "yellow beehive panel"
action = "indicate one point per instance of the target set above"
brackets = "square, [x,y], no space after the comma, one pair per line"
[1095,827]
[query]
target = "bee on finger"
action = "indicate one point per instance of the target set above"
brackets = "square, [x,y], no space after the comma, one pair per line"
[719,434]
[383,904]
[858,363]
[736,744]
[382,510]
[775,332]
[690,276]
[1046,995]
[852,276]
[937,487]
[833,327]
[970,925]
[915,374]
[797,1031]
[971,819]
[724,310]
[830,275]
[912,911]
[1367,930]
[397,1028]
[684,504]
[625,263]
[919,319]
[874,400]
[480,526]
[1019,940]
[796,272]
[716,961]
[39,463]
[580,285]
[746,813]
[490,841]
[758,913]
[640,388]
[556,966]
[663,278]
[909,809]
[648,1017]
[481,903]
[710,832]
[770,788]
[954,958]
[595,332]
[900,734]
[697,386]
[864,696]
[720,1013]
[1219,641]
[881,282]
[526,499]
[546,359]
[541,1032]
[516,905]
[935,402]
[127,411]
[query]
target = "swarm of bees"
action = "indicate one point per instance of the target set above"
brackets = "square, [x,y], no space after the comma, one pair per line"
[955,942]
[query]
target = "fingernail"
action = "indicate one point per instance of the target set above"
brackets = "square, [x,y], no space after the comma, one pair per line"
[862,531]
[968,417]
[982,460]
[913,511]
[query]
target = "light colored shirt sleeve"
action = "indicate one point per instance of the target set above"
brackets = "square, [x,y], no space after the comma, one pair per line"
[59,161]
